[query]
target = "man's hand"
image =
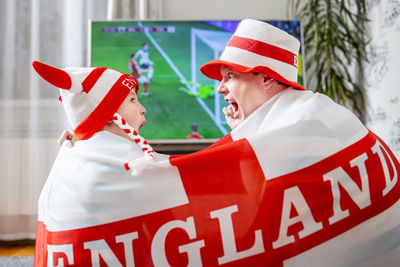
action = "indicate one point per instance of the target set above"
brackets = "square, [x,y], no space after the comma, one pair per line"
[232,120]
[66,136]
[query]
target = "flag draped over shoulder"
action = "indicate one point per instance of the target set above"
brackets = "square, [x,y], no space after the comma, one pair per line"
[301,182]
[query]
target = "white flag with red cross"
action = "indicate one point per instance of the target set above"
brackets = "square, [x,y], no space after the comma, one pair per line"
[301,186]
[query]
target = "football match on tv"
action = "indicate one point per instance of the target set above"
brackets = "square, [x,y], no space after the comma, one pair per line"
[166,57]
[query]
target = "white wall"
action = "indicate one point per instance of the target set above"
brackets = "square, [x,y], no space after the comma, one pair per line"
[223,9]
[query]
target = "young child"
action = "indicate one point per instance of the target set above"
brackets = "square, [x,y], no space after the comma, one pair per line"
[89,184]
[100,99]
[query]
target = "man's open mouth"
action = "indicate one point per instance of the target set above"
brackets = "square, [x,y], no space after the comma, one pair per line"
[235,106]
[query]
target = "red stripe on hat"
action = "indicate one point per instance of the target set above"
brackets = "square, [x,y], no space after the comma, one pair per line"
[92,78]
[105,110]
[263,49]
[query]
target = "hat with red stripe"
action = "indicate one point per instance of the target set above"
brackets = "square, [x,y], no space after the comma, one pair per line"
[91,96]
[259,47]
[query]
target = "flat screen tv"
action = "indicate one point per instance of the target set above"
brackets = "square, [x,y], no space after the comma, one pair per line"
[168,55]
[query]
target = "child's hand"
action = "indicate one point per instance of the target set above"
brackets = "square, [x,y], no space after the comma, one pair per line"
[66,136]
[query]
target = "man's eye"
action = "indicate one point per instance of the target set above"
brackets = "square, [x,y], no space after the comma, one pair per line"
[133,99]
[230,75]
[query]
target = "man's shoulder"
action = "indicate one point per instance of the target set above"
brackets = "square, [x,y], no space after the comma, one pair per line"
[313,105]
[301,113]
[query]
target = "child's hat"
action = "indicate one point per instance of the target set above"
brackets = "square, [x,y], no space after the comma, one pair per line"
[91,96]
[259,47]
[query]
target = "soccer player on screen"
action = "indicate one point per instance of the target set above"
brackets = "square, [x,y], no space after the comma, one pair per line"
[137,74]
[145,64]
[195,132]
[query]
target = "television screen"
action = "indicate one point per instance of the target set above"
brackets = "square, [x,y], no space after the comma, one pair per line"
[165,56]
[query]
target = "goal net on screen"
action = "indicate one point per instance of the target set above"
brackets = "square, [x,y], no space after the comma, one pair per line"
[207,45]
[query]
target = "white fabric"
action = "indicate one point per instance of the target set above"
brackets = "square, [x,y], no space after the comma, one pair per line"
[300,121]
[372,243]
[306,128]
[89,187]
[90,181]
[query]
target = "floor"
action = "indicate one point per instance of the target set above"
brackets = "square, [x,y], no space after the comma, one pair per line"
[17,250]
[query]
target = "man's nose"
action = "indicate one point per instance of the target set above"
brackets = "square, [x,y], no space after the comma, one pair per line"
[221,88]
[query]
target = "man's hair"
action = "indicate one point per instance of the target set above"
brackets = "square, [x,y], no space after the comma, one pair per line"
[281,83]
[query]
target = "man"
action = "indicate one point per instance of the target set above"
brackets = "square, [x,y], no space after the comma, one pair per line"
[298,182]
[293,131]
[258,74]
[262,65]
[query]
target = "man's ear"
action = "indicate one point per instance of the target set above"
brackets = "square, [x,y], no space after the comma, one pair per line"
[268,81]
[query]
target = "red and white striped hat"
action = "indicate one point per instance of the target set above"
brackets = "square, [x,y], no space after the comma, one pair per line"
[90,96]
[259,47]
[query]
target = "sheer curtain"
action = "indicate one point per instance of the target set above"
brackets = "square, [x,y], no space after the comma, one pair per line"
[382,72]
[54,32]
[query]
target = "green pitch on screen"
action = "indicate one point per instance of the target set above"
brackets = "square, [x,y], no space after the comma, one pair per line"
[170,110]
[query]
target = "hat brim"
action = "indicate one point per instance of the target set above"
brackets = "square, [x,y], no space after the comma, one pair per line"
[212,70]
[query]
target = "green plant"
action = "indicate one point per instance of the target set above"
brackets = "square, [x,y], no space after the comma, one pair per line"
[335,47]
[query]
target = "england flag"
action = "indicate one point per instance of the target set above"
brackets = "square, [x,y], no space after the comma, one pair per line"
[301,182]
